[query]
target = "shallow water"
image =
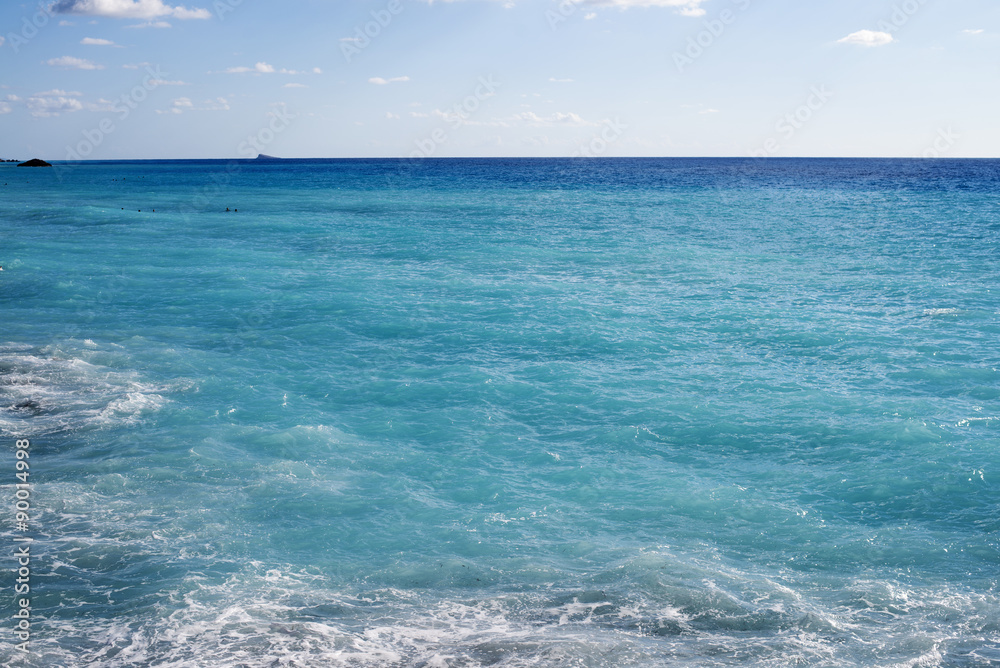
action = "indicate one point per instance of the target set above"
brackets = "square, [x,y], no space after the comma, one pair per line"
[506,412]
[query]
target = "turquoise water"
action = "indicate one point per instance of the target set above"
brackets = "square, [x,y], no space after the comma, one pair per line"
[502,412]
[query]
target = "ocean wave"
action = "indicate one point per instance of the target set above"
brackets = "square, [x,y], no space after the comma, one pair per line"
[63,388]
[267,616]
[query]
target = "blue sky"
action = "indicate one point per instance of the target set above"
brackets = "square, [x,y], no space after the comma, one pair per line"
[110,79]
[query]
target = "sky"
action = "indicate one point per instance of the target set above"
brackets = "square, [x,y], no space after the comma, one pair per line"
[154,79]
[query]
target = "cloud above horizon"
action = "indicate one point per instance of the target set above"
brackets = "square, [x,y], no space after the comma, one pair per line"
[96,41]
[867,38]
[683,7]
[381,82]
[128,9]
[50,103]
[72,63]
[259,68]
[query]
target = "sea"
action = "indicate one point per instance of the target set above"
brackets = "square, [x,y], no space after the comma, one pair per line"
[500,412]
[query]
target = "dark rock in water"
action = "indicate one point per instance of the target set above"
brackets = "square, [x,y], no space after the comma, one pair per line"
[261,156]
[35,162]
[28,405]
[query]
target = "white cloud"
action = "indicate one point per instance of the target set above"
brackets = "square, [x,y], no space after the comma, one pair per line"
[73,63]
[59,93]
[100,105]
[590,16]
[554,80]
[381,82]
[867,38]
[391,116]
[259,68]
[165,82]
[294,85]
[684,7]
[96,41]
[709,111]
[182,104]
[5,108]
[128,9]
[967,32]
[51,103]
[151,24]
[2,40]
[317,70]
[558,118]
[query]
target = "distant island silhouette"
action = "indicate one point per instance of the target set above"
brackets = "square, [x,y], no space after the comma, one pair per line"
[35,162]
[262,156]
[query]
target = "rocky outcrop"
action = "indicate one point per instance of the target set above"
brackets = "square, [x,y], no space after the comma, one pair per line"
[35,163]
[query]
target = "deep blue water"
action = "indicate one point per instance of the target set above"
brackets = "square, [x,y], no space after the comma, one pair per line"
[504,412]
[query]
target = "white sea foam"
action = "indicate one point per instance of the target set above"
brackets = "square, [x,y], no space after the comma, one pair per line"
[66,388]
[282,616]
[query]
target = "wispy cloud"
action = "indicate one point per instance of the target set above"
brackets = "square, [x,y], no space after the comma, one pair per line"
[259,68]
[554,80]
[867,38]
[49,103]
[967,32]
[556,119]
[72,63]
[96,41]
[58,92]
[684,7]
[294,85]
[182,104]
[381,82]
[266,68]
[151,24]
[128,9]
